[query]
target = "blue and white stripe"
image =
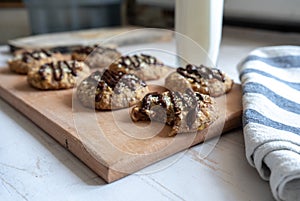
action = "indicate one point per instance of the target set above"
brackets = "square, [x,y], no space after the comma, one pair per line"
[270,79]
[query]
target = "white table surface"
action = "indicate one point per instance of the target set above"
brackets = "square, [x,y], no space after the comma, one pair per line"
[33,166]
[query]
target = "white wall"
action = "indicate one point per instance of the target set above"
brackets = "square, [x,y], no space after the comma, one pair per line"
[13,24]
[280,11]
[274,11]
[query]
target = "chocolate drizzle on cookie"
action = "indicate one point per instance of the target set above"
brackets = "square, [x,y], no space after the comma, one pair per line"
[36,55]
[57,69]
[117,81]
[153,98]
[137,61]
[195,73]
[57,72]
[111,78]
[189,102]
[72,67]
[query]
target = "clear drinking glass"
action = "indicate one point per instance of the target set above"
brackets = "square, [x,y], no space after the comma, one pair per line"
[201,21]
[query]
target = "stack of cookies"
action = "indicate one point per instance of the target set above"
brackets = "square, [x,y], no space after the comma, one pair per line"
[117,82]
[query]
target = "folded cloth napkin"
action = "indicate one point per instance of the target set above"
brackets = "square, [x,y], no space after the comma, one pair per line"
[270,78]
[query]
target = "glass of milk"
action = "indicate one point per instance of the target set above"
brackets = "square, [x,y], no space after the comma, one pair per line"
[198,26]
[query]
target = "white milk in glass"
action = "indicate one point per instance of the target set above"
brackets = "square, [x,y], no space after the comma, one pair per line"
[201,21]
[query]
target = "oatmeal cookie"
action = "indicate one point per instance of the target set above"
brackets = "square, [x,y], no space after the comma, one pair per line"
[201,79]
[57,75]
[185,112]
[110,90]
[144,66]
[32,59]
[96,56]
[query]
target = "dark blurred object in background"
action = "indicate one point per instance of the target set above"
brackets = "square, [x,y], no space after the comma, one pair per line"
[46,16]
[13,20]
[157,14]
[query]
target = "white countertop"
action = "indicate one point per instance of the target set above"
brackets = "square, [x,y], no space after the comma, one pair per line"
[33,166]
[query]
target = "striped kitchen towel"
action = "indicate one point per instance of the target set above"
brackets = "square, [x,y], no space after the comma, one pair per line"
[270,78]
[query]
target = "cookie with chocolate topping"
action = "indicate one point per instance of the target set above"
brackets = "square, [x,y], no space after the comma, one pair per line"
[211,81]
[111,90]
[96,56]
[57,75]
[185,112]
[31,59]
[144,66]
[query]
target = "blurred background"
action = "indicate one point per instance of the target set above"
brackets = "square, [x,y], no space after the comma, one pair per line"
[29,17]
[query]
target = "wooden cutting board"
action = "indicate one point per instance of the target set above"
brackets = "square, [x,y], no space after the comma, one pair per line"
[109,142]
